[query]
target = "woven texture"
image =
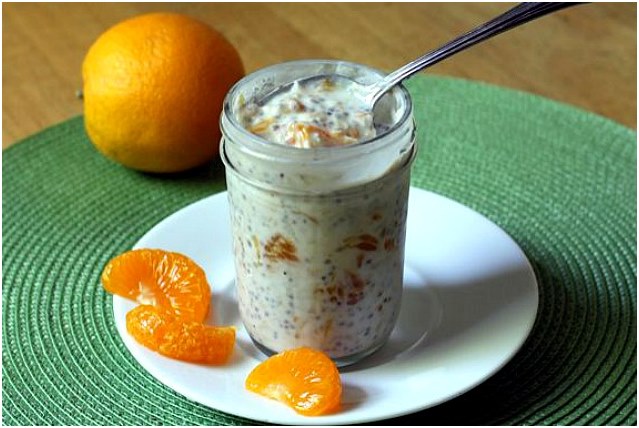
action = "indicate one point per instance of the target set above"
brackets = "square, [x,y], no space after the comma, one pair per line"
[560,181]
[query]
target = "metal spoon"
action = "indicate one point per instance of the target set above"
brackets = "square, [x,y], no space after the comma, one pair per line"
[371,93]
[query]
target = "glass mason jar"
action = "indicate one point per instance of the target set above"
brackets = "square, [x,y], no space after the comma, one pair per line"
[318,234]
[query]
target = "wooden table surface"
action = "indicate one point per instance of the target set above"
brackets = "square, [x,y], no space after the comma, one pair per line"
[585,55]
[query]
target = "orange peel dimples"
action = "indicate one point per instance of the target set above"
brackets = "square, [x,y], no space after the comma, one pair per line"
[153,89]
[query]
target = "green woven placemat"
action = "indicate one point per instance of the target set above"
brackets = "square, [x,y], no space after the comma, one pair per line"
[560,181]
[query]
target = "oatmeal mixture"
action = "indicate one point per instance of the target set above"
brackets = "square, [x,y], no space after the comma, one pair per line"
[325,273]
[320,113]
[320,268]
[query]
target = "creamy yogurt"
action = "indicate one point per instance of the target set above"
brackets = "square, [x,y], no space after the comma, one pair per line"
[320,113]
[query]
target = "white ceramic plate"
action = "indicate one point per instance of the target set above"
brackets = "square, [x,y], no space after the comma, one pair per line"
[469,302]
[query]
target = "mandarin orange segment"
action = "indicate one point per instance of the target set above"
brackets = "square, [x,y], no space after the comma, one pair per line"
[163,332]
[303,378]
[147,326]
[168,280]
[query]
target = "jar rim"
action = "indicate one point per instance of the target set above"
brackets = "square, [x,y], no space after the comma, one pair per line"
[260,144]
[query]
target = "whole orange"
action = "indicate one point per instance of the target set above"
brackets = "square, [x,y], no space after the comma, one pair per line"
[153,91]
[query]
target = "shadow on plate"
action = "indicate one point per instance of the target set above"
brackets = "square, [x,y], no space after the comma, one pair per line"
[433,314]
[352,397]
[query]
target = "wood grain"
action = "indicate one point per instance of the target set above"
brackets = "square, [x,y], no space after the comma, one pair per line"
[585,55]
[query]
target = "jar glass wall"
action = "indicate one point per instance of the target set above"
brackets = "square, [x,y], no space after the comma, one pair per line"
[318,233]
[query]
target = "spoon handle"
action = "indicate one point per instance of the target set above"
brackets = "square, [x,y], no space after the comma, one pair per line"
[512,18]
